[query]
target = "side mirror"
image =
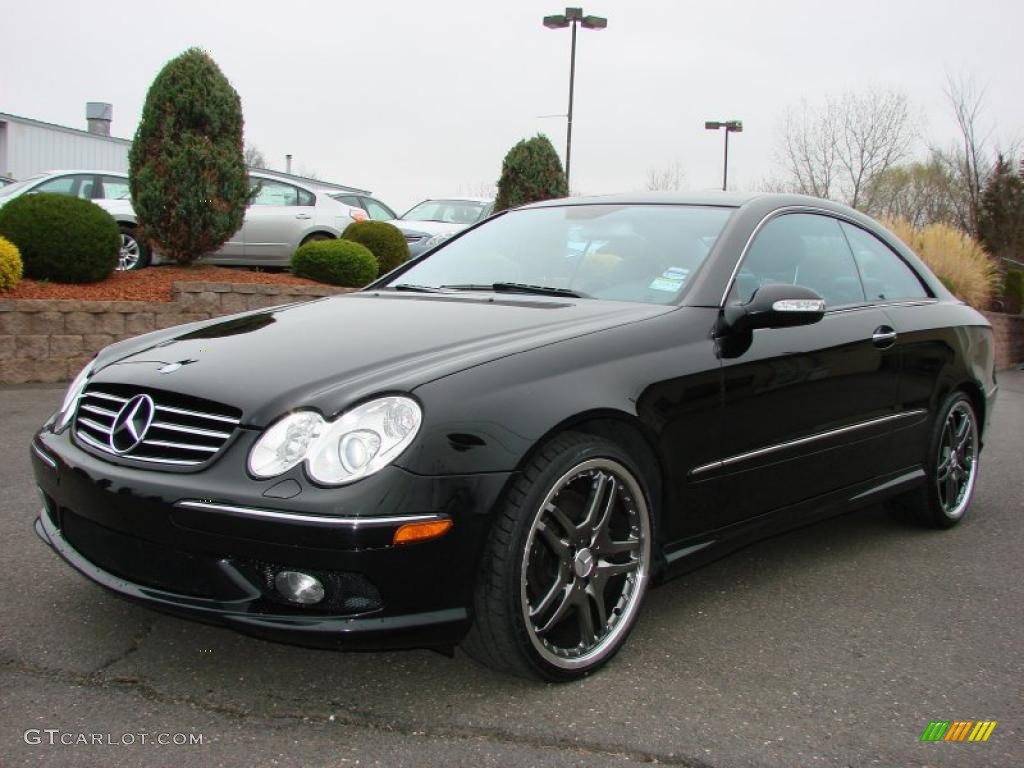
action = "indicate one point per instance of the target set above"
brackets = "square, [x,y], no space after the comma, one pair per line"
[776,305]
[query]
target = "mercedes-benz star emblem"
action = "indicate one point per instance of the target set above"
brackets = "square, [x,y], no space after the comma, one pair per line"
[131,424]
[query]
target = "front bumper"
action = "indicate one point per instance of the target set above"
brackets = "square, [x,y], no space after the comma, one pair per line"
[191,545]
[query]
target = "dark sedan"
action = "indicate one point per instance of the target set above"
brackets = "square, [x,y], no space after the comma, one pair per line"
[505,443]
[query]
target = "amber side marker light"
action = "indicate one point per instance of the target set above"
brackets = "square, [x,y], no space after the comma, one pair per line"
[412,532]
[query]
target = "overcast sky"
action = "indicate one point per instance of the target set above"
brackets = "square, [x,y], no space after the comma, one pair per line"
[414,99]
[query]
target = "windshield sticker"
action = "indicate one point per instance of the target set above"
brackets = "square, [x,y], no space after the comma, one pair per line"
[672,279]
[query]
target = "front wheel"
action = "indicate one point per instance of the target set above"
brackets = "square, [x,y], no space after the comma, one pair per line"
[951,466]
[134,254]
[567,564]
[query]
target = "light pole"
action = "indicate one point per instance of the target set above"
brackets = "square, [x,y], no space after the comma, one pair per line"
[572,17]
[731,126]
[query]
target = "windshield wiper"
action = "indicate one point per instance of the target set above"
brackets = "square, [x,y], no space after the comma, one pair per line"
[539,290]
[416,288]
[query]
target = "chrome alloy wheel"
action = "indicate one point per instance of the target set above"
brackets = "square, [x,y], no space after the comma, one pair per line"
[586,564]
[130,253]
[957,465]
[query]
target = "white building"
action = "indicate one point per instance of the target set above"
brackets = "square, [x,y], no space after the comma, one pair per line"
[28,146]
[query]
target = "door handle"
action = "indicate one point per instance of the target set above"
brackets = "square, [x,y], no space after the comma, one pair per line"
[303,216]
[883,337]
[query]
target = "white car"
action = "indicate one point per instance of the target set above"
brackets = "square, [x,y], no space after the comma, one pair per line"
[283,215]
[433,221]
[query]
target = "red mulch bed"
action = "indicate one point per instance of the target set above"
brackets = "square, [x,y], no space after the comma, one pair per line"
[150,284]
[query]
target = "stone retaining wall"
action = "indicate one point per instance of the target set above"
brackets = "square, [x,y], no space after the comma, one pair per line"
[1008,333]
[50,340]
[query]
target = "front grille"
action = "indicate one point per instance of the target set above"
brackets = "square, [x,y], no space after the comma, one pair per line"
[182,431]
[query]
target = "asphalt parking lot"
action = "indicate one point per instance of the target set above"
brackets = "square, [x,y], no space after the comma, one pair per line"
[831,646]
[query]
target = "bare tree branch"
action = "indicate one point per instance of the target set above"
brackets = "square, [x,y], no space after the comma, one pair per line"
[667,178]
[837,149]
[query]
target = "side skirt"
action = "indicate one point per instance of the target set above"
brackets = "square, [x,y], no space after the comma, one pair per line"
[695,551]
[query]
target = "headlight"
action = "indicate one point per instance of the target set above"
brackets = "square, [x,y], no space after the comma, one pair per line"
[67,408]
[437,240]
[356,444]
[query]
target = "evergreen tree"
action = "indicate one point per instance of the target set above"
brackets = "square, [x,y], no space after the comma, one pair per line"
[187,174]
[531,172]
[1001,213]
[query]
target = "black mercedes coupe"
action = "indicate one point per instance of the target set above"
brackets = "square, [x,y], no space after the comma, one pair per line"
[504,443]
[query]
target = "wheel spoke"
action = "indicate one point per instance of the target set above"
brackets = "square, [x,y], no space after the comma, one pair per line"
[951,490]
[963,435]
[943,469]
[557,589]
[618,547]
[600,530]
[596,594]
[564,522]
[607,570]
[585,617]
[565,598]
[593,505]
[558,545]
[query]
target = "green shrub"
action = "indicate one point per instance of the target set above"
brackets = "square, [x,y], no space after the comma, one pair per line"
[60,238]
[10,265]
[384,240]
[530,172]
[1013,290]
[336,262]
[187,173]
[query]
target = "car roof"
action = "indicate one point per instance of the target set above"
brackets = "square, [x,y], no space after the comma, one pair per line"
[457,199]
[80,170]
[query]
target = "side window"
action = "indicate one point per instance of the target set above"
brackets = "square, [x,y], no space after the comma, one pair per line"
[275,193]
[376,211]
[886,276]
[76,186]
[115,188]
[801,249]
[306,198]
[348,200]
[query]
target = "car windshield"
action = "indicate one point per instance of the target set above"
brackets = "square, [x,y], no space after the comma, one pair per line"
[10,189]
[641,253]
[448,211]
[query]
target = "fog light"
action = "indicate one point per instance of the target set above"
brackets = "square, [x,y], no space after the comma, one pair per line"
[299,587]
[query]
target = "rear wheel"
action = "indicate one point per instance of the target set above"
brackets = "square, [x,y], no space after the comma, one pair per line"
[134,254]
[567,564]
[951,466]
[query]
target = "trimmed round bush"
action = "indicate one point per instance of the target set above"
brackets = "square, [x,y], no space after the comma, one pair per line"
[61,238]
[384,240]
[10,265]
[335,262]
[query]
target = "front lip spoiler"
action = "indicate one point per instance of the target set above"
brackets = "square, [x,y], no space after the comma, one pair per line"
[434,629]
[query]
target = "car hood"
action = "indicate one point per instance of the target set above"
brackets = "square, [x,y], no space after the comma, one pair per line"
[428,227]
[331,353]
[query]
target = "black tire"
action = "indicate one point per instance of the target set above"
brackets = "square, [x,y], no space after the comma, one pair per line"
[134,253]
[951,467]
[594,547]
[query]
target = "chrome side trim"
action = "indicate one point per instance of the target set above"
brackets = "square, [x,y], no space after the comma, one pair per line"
[730,460]
[295,517]
[43,457]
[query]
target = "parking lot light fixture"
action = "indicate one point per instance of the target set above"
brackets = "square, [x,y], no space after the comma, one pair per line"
[572,17]
[731,126]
